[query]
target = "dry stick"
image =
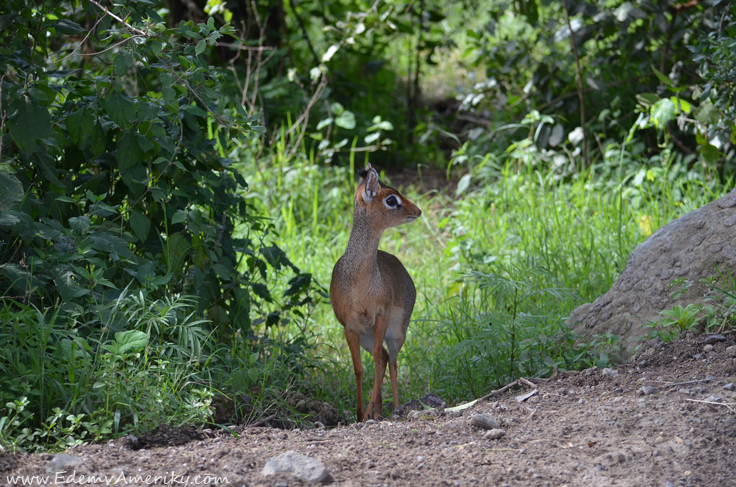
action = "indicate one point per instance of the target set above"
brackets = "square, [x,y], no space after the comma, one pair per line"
[262,421]
[2,117]
[134,29]
[505,388]
[304,31]
[579,82]
[712,403]
[686,383]
[89,32]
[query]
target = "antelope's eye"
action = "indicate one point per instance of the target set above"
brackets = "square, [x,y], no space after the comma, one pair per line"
[392,202]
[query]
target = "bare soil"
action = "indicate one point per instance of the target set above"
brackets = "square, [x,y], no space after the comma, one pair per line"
[586,429]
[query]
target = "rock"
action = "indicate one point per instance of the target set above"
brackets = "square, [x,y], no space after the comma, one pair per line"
[495,434]
[731,351]
[131,442]
[708,348]
[581,401]
[420,459]
[428,400]
[425,414]
[729,387]
[715,339]
[687,247]
[62,462]
[618,390]
[484,421]
[607,372]
[714,398]
[298,465]
[647,391]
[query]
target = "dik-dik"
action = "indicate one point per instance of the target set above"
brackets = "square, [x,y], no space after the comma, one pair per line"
[371,292]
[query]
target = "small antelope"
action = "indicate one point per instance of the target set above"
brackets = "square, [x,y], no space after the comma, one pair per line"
[371,292]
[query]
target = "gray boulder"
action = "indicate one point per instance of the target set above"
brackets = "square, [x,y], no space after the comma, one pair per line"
[687,247]
[302,466]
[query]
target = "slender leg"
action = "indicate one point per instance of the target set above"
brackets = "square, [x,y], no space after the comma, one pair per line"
[393,370]
[375,406]
[354,346]
[380,359]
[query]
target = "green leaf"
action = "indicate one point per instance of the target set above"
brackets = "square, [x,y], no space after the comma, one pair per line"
[662,113]
[324,123]
[346,120]
[179,216]
[121,109]
[11,192]
[337,108]
[66,26]
[140,224]
[707,114]
[27,122]
[128,153]
[99,140]
[80,224]
[647,99]
[664,79]
[681,105]
[201,46]
[122,63]
[79,125]
[370,138]
[131,341]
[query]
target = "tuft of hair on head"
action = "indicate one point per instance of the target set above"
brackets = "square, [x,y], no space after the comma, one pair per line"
[363,173]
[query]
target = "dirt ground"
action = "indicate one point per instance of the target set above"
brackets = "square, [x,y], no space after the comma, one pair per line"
[594,428]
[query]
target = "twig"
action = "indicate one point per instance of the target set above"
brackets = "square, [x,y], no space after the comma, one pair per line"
[304,31]
[579,82]
[505,388]
[241,47]
[133,29]
[3,115]
[686,383]
[261,421]
[89,32]
[712,403]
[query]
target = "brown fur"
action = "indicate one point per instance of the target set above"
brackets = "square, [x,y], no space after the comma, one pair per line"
[372,294]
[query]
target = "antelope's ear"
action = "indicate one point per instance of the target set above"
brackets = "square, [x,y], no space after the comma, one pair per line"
[371,185]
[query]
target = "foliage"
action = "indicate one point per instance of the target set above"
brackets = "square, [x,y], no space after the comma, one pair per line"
[65,382]
[115,195]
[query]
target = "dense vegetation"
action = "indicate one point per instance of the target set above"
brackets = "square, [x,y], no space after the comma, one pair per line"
[176,183]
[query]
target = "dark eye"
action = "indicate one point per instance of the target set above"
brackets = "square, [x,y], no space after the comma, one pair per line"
[391,201]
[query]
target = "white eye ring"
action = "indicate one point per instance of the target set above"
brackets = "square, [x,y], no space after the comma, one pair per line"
[390,207]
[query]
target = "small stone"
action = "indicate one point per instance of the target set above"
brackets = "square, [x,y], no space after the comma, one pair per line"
[371,421]
[608,372]
[709,377]
[581,401]
[63,461]
[731,351]
[495,434]
[621,458]
[708,348]
[484,421]
[302,466]
[729,387]
[131,443]
[618,390]
[714,398]
[420,459]
[422,414]
[715,339]
[647,391]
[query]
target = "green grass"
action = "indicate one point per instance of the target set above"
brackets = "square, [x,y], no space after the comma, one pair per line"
[561,241]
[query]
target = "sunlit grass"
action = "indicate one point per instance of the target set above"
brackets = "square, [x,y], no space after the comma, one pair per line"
[579,230]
